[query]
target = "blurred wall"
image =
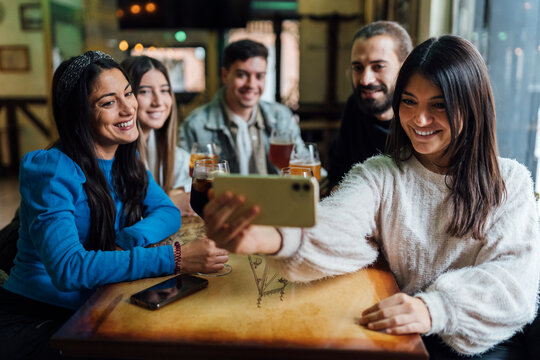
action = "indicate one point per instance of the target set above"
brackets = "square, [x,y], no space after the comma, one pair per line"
[314,47]
[20,84]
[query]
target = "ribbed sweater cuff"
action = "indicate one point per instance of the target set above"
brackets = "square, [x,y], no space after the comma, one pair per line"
[437,311]
[292,238]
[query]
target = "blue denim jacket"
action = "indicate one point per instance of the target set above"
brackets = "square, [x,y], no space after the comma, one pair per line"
[208,124]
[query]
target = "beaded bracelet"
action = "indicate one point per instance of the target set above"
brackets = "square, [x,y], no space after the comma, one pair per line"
[177,257]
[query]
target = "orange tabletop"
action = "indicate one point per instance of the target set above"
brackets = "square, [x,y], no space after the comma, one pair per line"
[250,313]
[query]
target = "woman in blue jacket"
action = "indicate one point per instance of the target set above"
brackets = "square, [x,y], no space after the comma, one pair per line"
[81,200]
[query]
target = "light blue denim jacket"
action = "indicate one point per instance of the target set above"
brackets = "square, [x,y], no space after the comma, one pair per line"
[208,124]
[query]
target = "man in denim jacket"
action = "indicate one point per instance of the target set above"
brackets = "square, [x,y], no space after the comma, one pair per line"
[236,120]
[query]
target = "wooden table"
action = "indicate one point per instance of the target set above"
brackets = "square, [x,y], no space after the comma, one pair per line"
[252,313]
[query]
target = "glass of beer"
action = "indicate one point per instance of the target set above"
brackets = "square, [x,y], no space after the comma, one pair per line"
[281,144]
[204,173]
[296,171]
[201,151]
[306,156]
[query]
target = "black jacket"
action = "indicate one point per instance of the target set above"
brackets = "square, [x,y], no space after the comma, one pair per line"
[360,137]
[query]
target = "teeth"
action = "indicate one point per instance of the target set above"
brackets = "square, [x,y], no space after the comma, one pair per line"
[155,115]
[424,133]
[125,124]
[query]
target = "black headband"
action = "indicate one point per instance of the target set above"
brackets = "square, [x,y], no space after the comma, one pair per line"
[73,72]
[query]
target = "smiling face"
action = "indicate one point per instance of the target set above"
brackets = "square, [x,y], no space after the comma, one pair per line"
[155,101]
[375,66]
[244,82]
[423,116]
[113,110]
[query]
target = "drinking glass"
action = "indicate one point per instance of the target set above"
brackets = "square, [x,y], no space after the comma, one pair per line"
[201,151]
[296,171]
[281,144]
[204,173]
[306,156]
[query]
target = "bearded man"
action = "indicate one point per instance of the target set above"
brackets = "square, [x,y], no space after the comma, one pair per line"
[377,52]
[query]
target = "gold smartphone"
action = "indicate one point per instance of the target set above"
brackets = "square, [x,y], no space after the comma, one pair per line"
[288,201]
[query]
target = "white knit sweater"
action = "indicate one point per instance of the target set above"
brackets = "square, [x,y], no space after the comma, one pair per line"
[478,293]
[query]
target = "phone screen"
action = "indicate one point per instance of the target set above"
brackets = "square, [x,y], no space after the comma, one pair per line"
[169,290]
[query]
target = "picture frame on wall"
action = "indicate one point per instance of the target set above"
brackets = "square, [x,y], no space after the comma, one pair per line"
[31,16]
[14,58]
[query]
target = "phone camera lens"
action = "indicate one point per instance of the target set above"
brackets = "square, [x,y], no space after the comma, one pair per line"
[296,186]
[306,187]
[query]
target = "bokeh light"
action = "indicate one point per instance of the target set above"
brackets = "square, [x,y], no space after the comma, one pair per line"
[150,7]
[180,36]
[135,9]
[123,45]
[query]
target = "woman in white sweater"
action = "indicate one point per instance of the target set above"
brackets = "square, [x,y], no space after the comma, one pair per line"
[457,225]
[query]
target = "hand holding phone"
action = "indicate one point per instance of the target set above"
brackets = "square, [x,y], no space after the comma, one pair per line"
[166,292]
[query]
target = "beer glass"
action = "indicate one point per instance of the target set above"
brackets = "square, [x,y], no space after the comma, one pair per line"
[281,144]
[306,156]
[296,171]
[201,151]
[204,173]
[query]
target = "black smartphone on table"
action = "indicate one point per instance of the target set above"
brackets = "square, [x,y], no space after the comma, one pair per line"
[165,292]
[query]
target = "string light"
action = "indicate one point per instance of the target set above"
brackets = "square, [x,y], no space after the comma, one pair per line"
[135,9]
[123,45]
[150,7]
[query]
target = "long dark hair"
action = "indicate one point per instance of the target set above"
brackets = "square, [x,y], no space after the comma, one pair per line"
[136,67]
[455,66]
[130,180]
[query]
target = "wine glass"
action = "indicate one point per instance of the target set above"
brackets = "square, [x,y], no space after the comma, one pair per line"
[296,171]
[204,173]
[201,151]
[281,144]
[306,156]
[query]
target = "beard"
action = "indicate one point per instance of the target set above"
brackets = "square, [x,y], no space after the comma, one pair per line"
[372,106]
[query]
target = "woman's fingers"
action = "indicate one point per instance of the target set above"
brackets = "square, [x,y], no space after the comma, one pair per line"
[415,327]
[228,207]
[395,299]
[398,314]
[384,313]
[243,221]
[391,322]
[221,259]
[218,211]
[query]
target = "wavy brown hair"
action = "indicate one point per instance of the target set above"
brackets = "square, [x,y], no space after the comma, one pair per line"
[136,67]
[457,68]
